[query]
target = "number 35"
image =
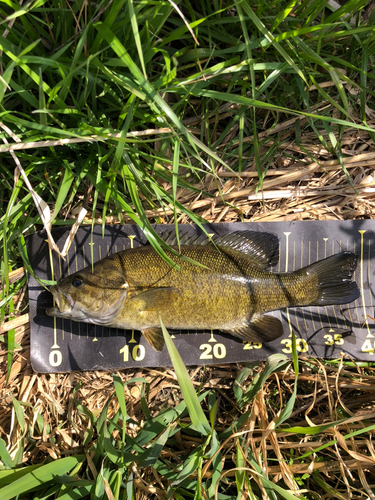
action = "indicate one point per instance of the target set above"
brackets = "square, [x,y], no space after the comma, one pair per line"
[336,339]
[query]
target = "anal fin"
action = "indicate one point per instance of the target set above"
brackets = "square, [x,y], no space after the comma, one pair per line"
[261,329]
[154,337]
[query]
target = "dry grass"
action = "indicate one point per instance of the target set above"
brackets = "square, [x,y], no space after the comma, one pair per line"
[326,392]
[295,188]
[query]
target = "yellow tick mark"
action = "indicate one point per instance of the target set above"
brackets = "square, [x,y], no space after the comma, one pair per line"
[132,340]
[362,232]
[212,339]
[131,238]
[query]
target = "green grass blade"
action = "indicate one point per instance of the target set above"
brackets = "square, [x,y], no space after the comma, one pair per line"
[119,389]
[274,363]
[40,477]
[287,411]
[4,456]
[19,413]
[198,418]
[176,157]
[240,464]
[11,338]
[62,195]
[77,493]
[9,476]
[134,25]
[270,38]
[260,104]
[278,489]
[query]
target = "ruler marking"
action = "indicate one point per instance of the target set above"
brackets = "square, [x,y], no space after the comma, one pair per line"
[333,307]
[317,258]
[325,256]
[100,258]
[132,340]
[212,338]
[350,314]
[363,273]
[286,270]
[55,344]
[91,243]
[76,264]
[311,313]
[369,334]
[294,268]
[63,320]
[301,266]
[70,321]
[368,275]
[131,238]
[354,277]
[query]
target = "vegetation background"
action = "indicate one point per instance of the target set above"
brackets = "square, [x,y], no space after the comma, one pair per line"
[120,111]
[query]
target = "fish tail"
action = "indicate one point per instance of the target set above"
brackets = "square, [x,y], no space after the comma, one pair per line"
[334,279]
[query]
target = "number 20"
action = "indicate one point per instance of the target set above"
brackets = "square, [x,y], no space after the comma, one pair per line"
[219,351]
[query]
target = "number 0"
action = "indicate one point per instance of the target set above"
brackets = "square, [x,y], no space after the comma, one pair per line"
[219,351]
[55,358]
[138,352]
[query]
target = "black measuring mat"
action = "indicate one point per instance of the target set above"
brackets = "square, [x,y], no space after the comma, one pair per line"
[61,345]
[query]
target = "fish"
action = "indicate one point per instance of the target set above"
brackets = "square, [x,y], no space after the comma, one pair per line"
[230,290]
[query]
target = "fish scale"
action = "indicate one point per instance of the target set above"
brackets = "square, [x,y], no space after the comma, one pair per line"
[230,290]
[220,289]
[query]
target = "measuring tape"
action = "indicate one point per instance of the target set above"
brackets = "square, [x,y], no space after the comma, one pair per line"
[60,345]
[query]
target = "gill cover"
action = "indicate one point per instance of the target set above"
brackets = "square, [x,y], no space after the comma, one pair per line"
[90,297]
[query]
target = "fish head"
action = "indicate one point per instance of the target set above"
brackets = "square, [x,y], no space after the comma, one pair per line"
[91,295]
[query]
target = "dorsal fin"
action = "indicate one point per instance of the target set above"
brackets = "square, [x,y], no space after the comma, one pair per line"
[262,248]
[185,239]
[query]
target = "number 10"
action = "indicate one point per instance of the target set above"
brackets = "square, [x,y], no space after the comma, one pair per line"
[138,352]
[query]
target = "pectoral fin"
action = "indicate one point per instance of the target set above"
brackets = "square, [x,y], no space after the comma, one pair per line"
[261,329]
[154,337]
[154,298]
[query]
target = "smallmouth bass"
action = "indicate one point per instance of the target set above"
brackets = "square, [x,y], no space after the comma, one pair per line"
[133,288]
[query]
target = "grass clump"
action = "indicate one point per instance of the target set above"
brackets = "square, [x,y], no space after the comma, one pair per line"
[143,112]
[122,436]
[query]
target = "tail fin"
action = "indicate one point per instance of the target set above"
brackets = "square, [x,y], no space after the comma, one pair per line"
[335,285]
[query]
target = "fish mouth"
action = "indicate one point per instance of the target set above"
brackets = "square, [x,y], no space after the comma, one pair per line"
[64,303]
[54,312]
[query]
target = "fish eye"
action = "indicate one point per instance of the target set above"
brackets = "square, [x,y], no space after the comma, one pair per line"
[77,282]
